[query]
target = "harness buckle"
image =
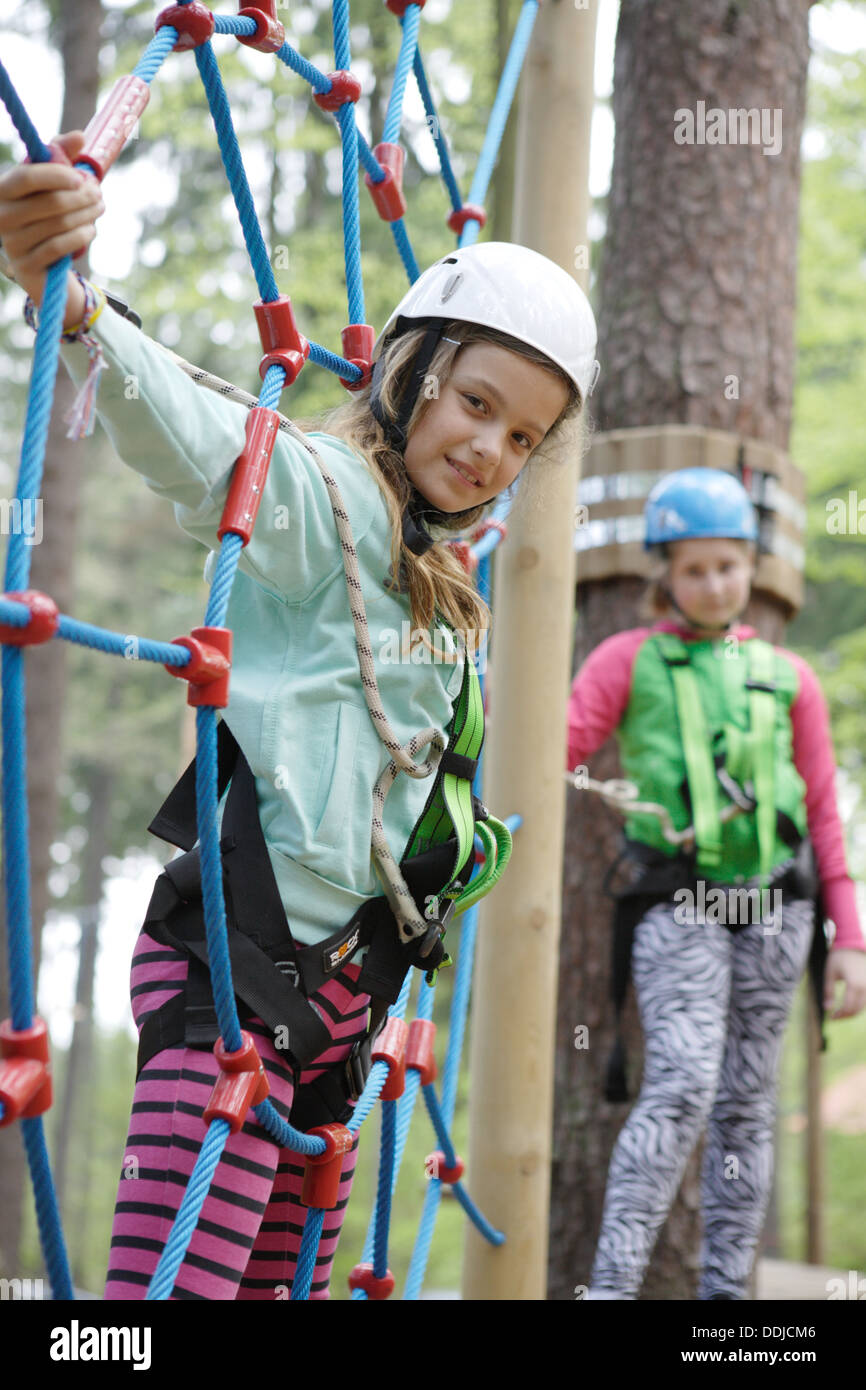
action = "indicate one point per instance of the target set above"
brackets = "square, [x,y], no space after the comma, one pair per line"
[357,1067]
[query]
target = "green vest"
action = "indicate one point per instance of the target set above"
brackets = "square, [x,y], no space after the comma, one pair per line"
[711,720]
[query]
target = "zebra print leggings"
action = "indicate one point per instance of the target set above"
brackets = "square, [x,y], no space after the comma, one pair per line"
[713,1008]
[248,1236]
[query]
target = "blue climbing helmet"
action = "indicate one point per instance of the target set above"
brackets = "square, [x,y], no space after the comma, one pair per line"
[694,503]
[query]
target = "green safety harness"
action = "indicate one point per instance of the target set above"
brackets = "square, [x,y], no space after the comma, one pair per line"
[748,754]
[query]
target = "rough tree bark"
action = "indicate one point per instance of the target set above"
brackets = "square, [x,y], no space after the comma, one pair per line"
[697,286]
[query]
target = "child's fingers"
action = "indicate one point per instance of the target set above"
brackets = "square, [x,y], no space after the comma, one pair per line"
[29,255]
[17,212]
[23,180]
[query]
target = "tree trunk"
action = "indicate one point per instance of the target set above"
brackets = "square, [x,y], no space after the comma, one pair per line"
[696,325]
[77,33]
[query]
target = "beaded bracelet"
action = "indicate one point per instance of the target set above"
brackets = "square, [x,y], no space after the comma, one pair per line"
[94,303]
[81,414]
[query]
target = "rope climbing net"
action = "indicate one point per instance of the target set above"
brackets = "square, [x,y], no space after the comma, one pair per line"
[403,1054]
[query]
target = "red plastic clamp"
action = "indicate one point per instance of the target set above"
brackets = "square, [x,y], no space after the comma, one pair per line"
[241,1083]
[463,551]
[281,340]
[270,34]
[44,620]
[437,1168]
[345,86]
[209,668]
[250,473]
[399,7]
[322,1172]
[390,1047]
[194,24]
[419,1049]
[25,1071]
[358,342]
[114,122]
[469,212]
[362,1277]
[388,193]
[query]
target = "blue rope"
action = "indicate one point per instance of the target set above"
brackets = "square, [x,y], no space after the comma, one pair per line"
[211,879]
[394,115]
[305,1268]
[122,644]
[385,1188]
[46,357]
[435,128]
[407,255]
[47,1212]
[351,213]
[174,1251]
[38,152]
[349,138]
[234,167]
[499,114]
[490,1233]
[232,24]
[14,614]
[318,80]
[156,53]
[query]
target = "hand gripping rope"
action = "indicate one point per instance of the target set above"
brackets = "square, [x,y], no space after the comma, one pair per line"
[204,657]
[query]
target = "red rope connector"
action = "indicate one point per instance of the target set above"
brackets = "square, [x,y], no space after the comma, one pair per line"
[283,344]
[390,1047]
[362,1277]
[194,24]
[270,34]
[25,1071]
[358,342]
[463,551]
[388,194]
[322,1172]
[250,474]
[114,122]
[436,1167]
[419,1049]
[43,624]
[345,86]
[208,669]
[399,7]
[241,1083]
[469,212]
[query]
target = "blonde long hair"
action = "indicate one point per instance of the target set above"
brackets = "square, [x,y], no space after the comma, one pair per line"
[436,581]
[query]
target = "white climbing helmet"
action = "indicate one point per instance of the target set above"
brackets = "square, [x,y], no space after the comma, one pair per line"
[516,290]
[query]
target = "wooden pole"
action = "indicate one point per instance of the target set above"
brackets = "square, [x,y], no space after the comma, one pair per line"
[514,1006]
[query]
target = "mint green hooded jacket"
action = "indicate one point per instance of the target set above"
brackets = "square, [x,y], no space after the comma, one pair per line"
[296,704]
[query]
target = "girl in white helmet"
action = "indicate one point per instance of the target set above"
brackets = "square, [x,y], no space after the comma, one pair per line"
[486,357]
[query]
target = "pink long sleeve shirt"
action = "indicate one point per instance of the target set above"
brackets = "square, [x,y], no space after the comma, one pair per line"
[599,699]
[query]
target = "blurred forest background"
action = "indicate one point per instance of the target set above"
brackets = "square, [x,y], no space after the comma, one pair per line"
[125,732]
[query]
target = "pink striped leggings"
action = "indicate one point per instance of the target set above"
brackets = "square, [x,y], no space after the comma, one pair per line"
[247,1240]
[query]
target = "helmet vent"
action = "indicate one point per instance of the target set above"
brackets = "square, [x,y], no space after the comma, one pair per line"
[450,287]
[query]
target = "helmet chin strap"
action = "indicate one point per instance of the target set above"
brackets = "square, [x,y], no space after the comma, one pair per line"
[705,627]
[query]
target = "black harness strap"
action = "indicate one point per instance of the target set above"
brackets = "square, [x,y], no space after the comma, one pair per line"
[271,974]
